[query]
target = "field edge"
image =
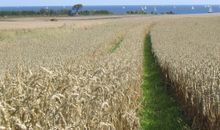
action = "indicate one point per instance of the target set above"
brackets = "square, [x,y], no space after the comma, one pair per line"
[159,110]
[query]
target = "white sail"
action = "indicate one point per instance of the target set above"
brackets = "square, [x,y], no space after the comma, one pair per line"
[210,10]
[145,7]
[155,9]
[193,7]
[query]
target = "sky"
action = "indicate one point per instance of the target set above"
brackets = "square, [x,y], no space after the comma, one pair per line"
[104,2]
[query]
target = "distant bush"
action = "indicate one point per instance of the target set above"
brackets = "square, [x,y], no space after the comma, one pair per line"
[143,12]
[169,12]
[53,19]
[95,12]
[136,12]
[49,12]
[152,12]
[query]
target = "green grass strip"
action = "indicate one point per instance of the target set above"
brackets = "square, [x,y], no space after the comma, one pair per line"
[116,45]
[159,110]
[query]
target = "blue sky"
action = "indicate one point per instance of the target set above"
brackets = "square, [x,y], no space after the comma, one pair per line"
[104,2]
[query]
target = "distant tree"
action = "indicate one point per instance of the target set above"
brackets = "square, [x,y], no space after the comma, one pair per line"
[44,11]
[77,7]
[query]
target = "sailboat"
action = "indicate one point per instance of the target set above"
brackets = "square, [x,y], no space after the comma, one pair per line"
[210,10]
[155,9]
[193,7]
[123,7]
[145,7]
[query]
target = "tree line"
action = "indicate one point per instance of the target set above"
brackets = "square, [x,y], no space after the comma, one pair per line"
[41,12]
[49,12]
[76,10]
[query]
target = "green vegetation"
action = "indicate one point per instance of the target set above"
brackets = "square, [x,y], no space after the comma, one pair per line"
[159,110]
[136,12]
[144,12]
[116,45]
[49,12]
[42,12]
[169,12]
[95,12]
[77,7]
[68,12]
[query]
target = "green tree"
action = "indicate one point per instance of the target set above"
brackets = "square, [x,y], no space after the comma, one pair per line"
[77,7]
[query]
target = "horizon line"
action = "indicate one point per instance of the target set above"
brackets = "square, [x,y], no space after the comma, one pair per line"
[116,5]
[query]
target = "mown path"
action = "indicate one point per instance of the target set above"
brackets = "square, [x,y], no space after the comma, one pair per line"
[159,109]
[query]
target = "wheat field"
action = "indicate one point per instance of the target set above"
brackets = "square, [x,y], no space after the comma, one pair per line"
[188,52]
[86,72]
[68,77]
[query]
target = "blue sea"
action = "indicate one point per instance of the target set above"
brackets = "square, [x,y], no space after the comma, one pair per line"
[178,9]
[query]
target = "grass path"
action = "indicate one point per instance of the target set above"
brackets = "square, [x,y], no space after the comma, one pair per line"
[159,110]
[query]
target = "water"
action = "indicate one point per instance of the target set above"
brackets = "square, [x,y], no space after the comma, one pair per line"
[178,9]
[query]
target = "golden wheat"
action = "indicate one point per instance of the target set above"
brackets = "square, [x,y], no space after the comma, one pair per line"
[67,77]
[188,52]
